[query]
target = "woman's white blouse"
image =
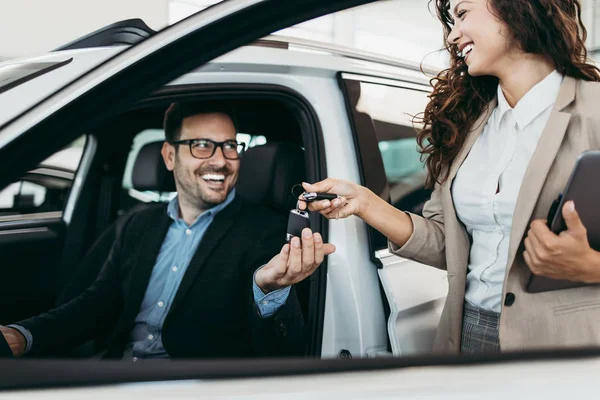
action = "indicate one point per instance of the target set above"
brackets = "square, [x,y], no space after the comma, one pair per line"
[487,184]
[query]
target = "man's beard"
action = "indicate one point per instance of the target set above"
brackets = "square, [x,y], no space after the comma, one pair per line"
[191,187]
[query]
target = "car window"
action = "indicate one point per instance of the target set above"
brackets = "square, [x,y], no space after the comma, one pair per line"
[382,115]
[45,188]
[157,135]
[22,194]
[392,110]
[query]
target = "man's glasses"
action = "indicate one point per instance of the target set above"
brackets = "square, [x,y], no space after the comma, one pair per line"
[205,148]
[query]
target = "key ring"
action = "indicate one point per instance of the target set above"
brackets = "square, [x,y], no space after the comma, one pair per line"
[309,197]
[297,197]
[294,188]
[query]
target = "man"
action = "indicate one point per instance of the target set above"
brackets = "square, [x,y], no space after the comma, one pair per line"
[205,276]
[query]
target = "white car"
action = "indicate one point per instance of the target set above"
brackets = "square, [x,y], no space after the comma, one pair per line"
[73,122]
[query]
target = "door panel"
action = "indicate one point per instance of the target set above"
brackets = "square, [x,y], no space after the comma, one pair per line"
[30,251]
[33,233]
[416,294]
[392,168]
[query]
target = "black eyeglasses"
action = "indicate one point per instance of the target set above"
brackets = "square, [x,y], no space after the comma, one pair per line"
[205,148]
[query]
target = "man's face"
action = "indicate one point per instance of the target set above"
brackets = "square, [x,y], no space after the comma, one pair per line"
[203,182]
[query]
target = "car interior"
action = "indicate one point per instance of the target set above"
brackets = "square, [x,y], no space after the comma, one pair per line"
[56,261]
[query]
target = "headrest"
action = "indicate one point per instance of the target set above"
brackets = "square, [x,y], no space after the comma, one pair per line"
[150,172]
[267,173]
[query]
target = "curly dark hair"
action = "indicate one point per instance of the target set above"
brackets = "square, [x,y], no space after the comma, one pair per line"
[550,28]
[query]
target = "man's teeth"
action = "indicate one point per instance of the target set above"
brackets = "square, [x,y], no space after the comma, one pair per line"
[213,177]
[467,50]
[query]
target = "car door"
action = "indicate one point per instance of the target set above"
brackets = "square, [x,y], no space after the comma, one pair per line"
[34,213]
[31,247]
[382,112]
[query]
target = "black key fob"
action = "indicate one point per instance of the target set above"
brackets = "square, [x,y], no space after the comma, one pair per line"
[297,221]
[313,196]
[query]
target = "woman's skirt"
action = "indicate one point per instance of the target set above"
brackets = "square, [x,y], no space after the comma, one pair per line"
[479,331]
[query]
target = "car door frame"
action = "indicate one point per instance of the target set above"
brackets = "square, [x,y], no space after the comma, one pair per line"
[412,310]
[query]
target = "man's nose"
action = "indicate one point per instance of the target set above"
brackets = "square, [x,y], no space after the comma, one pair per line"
[218,157]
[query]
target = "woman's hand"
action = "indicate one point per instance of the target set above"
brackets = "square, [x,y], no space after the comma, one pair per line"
[564,256]
[353,199]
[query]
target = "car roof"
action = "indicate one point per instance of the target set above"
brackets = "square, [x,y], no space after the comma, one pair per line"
[272,54]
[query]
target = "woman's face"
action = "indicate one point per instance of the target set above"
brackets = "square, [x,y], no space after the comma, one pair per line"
[482,39]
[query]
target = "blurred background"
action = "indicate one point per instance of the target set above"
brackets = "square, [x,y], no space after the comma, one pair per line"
[405,29]
[399,28]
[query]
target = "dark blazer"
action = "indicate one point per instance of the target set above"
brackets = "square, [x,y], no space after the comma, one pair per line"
[213,313]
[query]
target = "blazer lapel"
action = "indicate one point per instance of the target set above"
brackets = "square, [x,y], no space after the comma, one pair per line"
[539,165]
[215,233]
[152,235]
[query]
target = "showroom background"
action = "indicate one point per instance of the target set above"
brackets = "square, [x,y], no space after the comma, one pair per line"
[399,28]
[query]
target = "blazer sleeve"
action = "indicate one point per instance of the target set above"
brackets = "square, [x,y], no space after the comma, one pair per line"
[283,333]
[82,318]
[427,244]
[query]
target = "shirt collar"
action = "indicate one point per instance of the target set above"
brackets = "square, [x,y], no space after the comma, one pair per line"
[173,207]
[535,101]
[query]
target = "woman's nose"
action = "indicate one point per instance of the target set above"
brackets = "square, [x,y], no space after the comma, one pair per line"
[454,36]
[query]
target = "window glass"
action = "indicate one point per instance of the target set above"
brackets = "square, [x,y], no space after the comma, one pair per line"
[22,194]
[45,188]
[392,109]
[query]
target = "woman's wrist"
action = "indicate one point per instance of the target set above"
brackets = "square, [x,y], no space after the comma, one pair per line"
[365,196]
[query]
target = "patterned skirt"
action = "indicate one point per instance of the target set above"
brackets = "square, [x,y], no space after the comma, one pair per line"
[479,331]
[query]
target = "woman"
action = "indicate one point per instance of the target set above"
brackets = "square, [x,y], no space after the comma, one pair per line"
[503,129]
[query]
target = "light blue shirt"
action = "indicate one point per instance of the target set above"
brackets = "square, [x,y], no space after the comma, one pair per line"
[175,255]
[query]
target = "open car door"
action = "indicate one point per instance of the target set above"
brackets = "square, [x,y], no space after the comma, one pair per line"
[416,294]
[31,252]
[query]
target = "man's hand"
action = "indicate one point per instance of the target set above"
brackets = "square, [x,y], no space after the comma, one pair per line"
[564,256]
[294,263]
[15,340]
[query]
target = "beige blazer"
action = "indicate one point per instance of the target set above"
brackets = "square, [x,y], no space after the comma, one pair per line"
[561,318]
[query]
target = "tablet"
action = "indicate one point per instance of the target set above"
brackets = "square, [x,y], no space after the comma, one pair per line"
[583,188]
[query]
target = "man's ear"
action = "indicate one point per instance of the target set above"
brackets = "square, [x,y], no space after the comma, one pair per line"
[168,153]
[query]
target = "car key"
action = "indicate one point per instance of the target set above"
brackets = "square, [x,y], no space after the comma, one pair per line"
[314,196]
[297,221]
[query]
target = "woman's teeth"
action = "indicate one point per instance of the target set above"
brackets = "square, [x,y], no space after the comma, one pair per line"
[467,50]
